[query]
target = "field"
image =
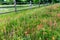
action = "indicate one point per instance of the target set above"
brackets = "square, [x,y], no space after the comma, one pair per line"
[34,24]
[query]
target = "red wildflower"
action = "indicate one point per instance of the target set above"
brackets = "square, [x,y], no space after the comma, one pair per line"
[39,27]
[27,31]
[58,15]
[50,23]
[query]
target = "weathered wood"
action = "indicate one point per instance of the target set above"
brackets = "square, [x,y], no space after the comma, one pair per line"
[15,5]
[30,4]
[39,3]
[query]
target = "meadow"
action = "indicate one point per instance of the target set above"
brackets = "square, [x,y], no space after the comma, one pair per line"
[34,24]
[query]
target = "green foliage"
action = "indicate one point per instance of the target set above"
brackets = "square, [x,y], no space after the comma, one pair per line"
[34,1]
[23,0]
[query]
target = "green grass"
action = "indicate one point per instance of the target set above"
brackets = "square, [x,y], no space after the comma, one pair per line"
[35,24]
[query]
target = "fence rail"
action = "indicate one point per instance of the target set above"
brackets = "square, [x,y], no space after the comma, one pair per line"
[14,8]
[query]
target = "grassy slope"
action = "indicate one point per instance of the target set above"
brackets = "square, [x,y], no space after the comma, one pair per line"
[36,24]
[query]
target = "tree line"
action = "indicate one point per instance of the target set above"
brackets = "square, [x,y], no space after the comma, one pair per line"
[25,1]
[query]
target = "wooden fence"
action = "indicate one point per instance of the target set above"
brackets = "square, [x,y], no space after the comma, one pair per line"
[16,8]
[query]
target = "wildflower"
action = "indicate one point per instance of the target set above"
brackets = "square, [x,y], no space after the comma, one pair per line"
[39,27]
[50,23]
[53,38]
[58,15]
[54,23]
[27,32]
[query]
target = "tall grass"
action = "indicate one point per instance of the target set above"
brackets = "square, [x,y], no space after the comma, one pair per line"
[36,24]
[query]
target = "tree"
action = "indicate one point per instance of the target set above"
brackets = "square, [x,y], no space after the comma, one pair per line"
[23,0]
[36,1]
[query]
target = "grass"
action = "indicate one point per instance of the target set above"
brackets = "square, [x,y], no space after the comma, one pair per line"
[34,24]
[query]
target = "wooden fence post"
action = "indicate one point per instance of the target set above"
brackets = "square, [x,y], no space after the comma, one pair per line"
[15,5]
[39,3]
[30,4]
